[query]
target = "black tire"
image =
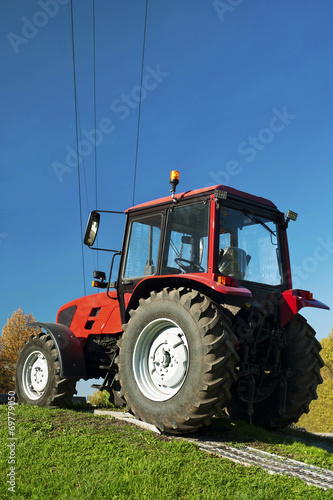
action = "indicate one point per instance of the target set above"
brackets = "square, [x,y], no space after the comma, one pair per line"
[301,356]
[37,376]
[184,332]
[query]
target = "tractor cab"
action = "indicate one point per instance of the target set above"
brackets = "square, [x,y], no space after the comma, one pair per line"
[226,242]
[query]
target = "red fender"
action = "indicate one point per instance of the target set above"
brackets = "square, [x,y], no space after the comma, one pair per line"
[293,300]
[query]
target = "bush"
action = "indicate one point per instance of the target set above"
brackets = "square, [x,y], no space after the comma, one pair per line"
[100,399]
[320,416]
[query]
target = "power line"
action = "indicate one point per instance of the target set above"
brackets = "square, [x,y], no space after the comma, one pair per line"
[95,112]
[77,140]
[94,62]
[140,98]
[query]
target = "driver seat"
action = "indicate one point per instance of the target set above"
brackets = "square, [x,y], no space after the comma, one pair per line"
[233,262]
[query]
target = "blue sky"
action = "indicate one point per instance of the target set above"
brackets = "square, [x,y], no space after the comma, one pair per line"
[235,92]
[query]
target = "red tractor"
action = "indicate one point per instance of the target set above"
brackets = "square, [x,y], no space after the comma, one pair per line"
[203,318]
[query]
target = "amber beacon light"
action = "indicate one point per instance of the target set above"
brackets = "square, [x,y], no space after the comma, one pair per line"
[174,180]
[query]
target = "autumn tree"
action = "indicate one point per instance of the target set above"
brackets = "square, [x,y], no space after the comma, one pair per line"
[15,332]
[320,416]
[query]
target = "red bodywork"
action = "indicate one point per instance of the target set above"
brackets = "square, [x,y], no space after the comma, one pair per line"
[202,191]
[89,320]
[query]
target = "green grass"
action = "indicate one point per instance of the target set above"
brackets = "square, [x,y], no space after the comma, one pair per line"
[73,455]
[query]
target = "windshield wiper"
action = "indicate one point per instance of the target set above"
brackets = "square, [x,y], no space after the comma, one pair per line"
[256,219]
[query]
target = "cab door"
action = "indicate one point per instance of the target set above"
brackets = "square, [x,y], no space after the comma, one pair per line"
[141,256]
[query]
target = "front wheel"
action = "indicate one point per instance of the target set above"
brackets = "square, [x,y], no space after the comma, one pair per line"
[37,375]
[177,360]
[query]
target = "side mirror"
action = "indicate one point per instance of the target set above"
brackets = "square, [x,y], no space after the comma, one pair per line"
[92,229]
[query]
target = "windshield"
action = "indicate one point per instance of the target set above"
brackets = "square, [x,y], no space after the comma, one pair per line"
[249,247]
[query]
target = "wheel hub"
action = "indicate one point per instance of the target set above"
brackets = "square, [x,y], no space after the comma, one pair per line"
[160,360]
[167,359]
[38,374]
[35,375]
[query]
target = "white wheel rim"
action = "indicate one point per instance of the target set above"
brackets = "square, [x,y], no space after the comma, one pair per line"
[160,359]
[35,375]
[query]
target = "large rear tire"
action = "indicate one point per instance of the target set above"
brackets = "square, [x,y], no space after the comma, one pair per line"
[37,375]
[177,360]
[301,356]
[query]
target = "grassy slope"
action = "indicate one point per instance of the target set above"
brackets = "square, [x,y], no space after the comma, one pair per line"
[73,455]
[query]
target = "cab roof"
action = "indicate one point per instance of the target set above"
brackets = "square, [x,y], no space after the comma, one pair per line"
[235,193]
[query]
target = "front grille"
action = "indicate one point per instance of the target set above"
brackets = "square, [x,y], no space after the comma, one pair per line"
[65,317]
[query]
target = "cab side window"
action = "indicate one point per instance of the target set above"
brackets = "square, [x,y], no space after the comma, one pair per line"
[143,245]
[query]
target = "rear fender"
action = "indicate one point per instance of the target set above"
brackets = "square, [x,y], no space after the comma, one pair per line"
[71,359]
[236,294]
[294,300]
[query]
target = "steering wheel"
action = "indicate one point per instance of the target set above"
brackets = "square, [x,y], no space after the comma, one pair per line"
[179,261]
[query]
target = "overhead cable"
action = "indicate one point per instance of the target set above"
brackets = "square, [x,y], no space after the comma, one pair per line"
[77,141]
[140,99]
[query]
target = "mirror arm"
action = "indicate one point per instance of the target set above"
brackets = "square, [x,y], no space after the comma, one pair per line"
[93,225]
[104,249]
[109,280]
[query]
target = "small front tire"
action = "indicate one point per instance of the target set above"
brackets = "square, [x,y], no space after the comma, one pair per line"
[37,376]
